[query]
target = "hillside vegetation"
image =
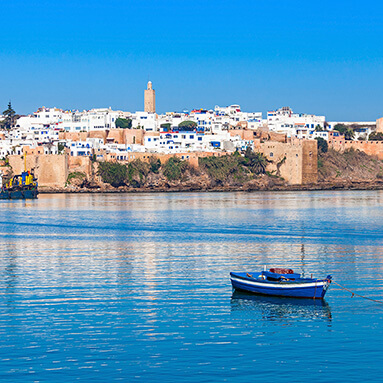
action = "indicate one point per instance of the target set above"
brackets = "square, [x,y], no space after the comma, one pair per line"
[234,170]
[351,165]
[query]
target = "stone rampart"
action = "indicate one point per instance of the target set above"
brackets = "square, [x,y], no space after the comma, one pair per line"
[51,170]
[371,148]
[295,161]
[191,157]
[80,164]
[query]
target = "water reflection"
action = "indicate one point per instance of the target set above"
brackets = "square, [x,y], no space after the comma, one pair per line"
[281,308]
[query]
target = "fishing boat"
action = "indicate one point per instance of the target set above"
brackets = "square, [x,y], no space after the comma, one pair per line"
[280,282]
[21,186]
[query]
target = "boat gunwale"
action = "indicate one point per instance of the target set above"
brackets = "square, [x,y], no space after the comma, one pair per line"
[301,281]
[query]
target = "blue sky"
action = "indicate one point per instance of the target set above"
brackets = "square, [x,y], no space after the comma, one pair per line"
[323,57]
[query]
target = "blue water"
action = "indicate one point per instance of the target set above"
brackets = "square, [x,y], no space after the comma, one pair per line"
[106,288]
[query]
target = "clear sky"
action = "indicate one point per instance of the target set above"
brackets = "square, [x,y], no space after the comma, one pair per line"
[323,57]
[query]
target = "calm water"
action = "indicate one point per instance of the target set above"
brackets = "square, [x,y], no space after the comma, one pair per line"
[107,288]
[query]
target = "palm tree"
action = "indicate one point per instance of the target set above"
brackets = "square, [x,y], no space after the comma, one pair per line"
[256,161]
[349,134]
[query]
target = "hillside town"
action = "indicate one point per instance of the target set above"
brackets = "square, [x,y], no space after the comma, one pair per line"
[287,139]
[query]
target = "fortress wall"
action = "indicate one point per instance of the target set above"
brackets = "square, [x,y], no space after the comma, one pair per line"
[243,133]
[80,164]
[191,157]
[135,136]
[371,148]
[98,134]
[310,162]
[116,135]
[51,170]
[296,162]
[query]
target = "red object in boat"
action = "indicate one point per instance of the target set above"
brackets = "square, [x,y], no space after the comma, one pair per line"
[281,271]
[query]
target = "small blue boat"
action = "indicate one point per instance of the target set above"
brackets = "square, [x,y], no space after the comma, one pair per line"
[280,282]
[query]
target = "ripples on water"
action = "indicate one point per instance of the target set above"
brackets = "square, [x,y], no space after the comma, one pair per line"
[136,287]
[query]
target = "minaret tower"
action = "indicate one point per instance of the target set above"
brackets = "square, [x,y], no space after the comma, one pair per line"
[150,99]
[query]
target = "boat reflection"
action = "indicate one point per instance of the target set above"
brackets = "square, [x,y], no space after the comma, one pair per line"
[281,308]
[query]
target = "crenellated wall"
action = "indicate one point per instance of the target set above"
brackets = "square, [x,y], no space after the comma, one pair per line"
[371,148]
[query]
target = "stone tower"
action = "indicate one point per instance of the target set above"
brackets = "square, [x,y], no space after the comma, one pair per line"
[150,99]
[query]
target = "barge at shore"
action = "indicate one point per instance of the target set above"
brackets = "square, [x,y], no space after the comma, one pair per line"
[21,186]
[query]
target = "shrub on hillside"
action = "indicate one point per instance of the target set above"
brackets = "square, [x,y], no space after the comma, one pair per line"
[155,164]
[137,173]
[113,173]
[322,145]
[220,169]
[174,168]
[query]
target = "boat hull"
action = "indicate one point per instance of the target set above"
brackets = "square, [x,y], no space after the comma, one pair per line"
[19,194]
[297,289]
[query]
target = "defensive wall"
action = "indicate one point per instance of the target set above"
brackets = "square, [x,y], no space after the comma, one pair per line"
[262,134]
[191,157]
[295,161]
[51,170]
[371,148]
[118,136]
[80,164]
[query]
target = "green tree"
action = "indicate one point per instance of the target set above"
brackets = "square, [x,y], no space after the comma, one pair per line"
[113,173]
[188,125]
[174,168]
[225,168]
[60,147]
[256,161]
[375,136]
[137,172]
[318,128]
[155,164]
[348,132]
[124,123]
[10,117]
[166,127]
[322,145]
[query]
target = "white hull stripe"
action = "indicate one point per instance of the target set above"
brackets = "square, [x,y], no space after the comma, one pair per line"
[281,285]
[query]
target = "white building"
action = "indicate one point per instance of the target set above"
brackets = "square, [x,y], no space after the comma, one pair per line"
[285,121]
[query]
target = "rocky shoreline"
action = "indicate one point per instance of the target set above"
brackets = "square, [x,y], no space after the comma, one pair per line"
[320,186]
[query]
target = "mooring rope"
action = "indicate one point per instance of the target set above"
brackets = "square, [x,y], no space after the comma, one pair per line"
[358,295]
